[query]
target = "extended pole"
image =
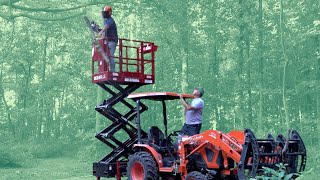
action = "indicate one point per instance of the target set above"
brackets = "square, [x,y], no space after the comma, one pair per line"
[164,112]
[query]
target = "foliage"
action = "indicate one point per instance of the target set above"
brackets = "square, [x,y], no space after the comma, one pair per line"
[92,152]
[313,164]
[52,169]
[279,173]
[53,148]
[26,154]
[16,155]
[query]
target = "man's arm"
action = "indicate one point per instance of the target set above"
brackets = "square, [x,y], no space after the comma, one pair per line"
[186,106]
[105,28]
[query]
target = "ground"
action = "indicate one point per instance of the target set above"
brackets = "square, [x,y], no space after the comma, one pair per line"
[66,168]
[47,169]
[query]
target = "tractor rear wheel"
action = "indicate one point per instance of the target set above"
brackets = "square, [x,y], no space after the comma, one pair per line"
[195,175]
[142,166]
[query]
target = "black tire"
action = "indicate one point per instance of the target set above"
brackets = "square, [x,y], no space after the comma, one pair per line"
[142,166]
[195,175]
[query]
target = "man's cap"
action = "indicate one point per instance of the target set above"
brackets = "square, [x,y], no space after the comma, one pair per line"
[200,89]
[107,9]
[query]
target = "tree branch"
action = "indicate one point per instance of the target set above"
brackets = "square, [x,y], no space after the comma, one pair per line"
[39,18]
[5,16]
[48,9]
[11,4]
[7,2]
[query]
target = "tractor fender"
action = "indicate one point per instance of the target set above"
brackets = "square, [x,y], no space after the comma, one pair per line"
[149,149]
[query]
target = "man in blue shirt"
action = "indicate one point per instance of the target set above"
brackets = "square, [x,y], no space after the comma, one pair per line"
[193,113]
[109,31]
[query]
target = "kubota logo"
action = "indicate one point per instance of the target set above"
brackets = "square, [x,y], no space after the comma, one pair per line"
[194,139]
[213,135]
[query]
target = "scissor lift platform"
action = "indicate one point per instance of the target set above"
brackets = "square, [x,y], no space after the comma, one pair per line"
[134,62]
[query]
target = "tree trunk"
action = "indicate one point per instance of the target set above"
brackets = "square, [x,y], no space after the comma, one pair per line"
[284,95]
[43,79]
[261,68]
[24,122]
[40,118]
[317,43]
[215,74]
[247,55]
[184,38]
[10,124]
[5,55]
[286,62]
[49,117]
[240,111]
[58,117]
[44,65]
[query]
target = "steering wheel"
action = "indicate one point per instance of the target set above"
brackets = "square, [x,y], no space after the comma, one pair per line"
[174,134]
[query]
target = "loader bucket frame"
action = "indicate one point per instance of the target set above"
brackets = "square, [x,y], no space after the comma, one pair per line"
[258,153]
[249,152]
[296,150]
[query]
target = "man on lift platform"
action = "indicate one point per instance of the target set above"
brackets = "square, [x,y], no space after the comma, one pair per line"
[109,31]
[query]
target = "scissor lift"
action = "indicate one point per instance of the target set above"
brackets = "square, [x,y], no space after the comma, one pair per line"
[134,68]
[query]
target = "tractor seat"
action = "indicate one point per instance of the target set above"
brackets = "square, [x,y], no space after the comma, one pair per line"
[156,138]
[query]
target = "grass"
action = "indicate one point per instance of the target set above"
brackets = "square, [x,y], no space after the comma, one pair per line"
[71,165]
[65,168]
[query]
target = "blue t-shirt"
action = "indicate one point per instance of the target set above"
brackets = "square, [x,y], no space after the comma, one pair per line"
[194,116]
[111,32]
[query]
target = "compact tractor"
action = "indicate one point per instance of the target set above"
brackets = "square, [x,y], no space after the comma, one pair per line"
[154,154]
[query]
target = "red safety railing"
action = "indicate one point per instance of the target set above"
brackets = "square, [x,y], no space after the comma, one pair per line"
[134,61]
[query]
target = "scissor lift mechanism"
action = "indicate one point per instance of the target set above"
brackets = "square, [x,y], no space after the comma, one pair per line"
[111,163]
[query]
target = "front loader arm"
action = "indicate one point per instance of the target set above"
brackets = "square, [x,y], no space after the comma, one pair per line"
[214,140]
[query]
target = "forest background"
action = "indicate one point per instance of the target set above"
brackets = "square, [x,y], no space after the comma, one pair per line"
[259,62]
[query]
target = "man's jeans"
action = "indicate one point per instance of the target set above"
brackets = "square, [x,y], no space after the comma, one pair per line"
[191,129]
[112,48]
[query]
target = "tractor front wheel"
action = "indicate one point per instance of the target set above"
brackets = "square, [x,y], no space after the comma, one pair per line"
[142,166]
[195,175]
